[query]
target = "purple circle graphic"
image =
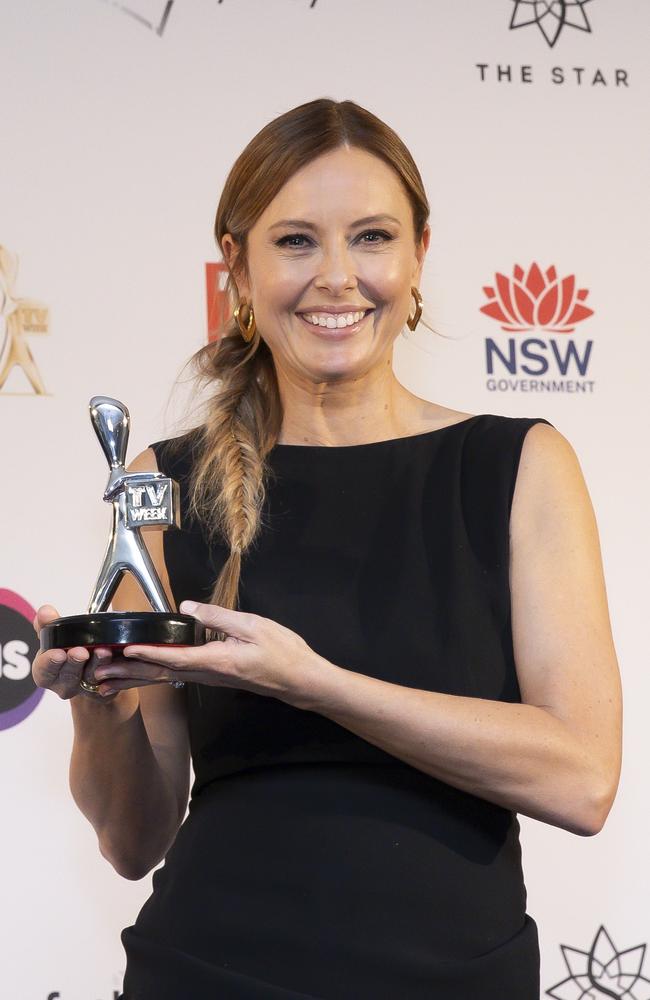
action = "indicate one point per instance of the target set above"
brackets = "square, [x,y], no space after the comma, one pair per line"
[19,696]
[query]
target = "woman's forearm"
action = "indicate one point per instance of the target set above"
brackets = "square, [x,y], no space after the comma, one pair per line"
[119,785]
[516,755]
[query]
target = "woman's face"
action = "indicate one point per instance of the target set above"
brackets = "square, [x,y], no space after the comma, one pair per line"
[331,262]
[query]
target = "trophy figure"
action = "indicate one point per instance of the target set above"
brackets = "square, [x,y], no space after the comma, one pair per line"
[139,500]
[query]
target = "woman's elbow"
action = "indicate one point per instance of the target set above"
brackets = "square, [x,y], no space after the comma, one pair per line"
[132,870]
[592,804]
[131,865]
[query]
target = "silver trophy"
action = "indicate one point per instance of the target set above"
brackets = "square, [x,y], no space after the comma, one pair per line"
[139,500]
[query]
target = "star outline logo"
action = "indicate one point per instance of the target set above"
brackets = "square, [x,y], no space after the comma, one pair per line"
[603,971]
[550,16]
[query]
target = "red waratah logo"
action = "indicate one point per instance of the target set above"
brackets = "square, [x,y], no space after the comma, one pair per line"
[217,301]
[536,300]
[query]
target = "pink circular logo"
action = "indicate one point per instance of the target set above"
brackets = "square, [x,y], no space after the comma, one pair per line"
[19,696]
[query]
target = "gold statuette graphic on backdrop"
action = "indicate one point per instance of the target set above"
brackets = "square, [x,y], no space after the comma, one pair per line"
[19,318]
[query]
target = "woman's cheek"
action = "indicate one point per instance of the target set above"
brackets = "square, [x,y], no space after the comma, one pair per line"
[387,275]
[283,285]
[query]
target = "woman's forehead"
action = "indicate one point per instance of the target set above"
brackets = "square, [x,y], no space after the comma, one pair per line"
[345,181]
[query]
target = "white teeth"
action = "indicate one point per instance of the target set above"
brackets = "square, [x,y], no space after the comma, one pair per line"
[333,322]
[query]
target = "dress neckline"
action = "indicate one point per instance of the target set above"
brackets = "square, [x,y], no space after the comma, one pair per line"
[280,446]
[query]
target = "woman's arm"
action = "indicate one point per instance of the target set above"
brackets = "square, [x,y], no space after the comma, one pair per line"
[129,771]
[556,757]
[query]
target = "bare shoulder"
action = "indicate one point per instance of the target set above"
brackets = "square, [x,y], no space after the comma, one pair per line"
[550,489]
[145,461]
[547,455]
[545,444]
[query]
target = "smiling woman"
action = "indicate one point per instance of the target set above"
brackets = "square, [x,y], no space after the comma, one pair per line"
[344,177]
[411,633]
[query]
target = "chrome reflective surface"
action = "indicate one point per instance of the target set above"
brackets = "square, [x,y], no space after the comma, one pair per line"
[126,552]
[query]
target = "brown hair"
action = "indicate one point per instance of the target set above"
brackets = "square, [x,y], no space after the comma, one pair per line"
[244,415]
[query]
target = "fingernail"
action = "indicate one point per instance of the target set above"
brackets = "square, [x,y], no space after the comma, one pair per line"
[58,656]
[189,606]
[106,690]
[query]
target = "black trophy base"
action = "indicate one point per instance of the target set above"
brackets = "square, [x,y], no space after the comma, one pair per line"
[117,629]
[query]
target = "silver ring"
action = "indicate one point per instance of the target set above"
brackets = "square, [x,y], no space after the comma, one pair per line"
[90,688]
[177,684]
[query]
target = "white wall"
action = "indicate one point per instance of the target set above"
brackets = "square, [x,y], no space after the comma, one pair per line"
[116,139]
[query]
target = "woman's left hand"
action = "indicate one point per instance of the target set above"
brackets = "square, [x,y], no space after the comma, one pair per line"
[258,654]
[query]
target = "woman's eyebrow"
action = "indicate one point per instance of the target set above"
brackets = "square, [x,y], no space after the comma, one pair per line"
[367,220]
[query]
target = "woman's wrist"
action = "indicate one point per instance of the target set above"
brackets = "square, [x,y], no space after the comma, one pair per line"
[318,681]
[117,707]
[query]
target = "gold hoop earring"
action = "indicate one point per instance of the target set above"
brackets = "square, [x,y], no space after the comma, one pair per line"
[413,320]
[247,331]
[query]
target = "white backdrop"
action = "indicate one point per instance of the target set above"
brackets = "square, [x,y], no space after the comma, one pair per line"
[120,122]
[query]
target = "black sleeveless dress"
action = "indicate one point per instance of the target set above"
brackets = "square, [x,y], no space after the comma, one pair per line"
[313,864]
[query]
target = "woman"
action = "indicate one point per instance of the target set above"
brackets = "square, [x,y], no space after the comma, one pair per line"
[412,632]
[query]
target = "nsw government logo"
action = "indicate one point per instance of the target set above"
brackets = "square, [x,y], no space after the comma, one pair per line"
[603,971]
[539,310]
[19,696]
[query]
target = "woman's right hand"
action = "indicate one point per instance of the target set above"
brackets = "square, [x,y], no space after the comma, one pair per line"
[61,670]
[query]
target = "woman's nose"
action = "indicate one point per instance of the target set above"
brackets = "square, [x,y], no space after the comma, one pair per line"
[336,269]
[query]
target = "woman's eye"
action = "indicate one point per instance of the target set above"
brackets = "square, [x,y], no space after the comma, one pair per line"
[298,241]
[378,236]
[295,240]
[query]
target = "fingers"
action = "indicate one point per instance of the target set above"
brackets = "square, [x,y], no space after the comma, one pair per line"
[100,656]
[113,685]
[173,657]
[239,624]
[45,614]
[132,672]
[60,671]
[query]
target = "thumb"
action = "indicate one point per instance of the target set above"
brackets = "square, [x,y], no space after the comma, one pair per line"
[45,614]
[239,624]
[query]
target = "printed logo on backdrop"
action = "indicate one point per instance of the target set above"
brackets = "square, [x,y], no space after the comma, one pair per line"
[55,995]
[154,14]
[19,317]
[116,990]
[561,23]
[19,696]
[217,299]
[538,311]
[550,16]
[603,971]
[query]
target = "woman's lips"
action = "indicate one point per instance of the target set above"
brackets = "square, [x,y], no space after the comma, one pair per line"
[336,333]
